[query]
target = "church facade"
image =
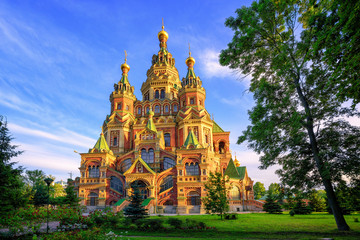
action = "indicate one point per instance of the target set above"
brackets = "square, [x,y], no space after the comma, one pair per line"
[166,143]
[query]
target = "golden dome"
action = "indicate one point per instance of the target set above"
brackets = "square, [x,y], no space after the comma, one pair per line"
[163,35]
[189,60]
[125,65]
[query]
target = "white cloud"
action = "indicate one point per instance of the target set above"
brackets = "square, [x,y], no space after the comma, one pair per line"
[62,135]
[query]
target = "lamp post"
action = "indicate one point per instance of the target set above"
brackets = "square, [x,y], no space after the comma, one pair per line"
[48,182]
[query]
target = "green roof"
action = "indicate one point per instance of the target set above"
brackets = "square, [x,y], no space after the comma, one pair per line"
[150,124]
[146,202]
[241,171]
[118,203]
[124,79]
[101,144]
[191,140]
[231,170]
[217,128]
[190,73]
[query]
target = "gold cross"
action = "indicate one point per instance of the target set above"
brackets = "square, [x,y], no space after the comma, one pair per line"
[125,56]
[189,51]
[162,19]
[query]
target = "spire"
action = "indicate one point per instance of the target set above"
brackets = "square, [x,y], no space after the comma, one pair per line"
[125,69]
[163,36]
[191,140]
[190,61]
[236,162]
[101,145]
[150,124]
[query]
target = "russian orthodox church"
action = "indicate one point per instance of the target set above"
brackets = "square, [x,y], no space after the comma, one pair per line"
[165,143]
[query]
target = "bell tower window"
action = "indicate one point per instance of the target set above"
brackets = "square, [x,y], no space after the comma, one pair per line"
[157,94]
[162,95]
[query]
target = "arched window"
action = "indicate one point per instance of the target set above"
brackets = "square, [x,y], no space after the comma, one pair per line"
[119,106]
[166,108]
[157,109]
[167,183]
[162,95]
[175,109]
[193,198]
[94,171]
[167,139]
[157,94]
[168,163]
[127,107]
[191,100]
[235,193]
[144,155]
[183,103]
[150,156]
[147,109]
[116,184]
[221,147]
[139,110]
[125,165]
[192,169]
[115,143]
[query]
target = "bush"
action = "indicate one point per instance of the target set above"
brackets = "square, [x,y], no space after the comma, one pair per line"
[147,224]
[292,213]
[175,222]
[195,225]
[231,216]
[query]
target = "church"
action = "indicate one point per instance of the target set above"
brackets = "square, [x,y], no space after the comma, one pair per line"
[166,143]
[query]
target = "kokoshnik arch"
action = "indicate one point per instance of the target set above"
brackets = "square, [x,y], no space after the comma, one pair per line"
[166,143]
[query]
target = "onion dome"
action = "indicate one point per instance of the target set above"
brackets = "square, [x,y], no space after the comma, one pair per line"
[125,67]
[190,61]
[162,35]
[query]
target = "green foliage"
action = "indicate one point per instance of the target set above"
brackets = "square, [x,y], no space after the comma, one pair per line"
[41,195]
[316,201]
[135,210]
[150,224]
[71,198]
[259,190]
[175,222]
[300,206]
[297,121]
[271,206]
[231,216]
[11,183]
[216,197]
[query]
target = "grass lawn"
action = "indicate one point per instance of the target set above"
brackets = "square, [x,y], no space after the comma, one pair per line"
[261,226]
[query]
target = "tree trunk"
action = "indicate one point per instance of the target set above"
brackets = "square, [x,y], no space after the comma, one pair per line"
[338,215]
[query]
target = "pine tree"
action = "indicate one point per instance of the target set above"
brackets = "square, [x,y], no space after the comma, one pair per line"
[271,206]
[135,210]
[11,182]
[300,206]
[216,198]
[71,198]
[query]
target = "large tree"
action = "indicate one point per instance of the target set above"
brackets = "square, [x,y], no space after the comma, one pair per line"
[216,200]
[297,121]
[259,190]
[11,181]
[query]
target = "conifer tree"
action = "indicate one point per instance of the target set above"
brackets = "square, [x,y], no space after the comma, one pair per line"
[271,206]
[135,210]
[11,181]
[71,198]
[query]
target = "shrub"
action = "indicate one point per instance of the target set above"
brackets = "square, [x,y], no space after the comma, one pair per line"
[153,224]
[292,213]
[175,222]
[231,216]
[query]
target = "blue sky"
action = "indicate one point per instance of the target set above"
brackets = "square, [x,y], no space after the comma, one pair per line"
[60,59]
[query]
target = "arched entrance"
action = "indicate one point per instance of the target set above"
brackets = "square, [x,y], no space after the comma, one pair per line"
[93,199]
[143,188]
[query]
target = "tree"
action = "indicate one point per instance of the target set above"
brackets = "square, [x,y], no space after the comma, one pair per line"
[40,196]
[71,198]
[135,210]
[216,198]
[297,121]
[337,36]
[300,206]
[259,190]
[11,181]
[316,201]
[271,205]
[274,189]
[34,181]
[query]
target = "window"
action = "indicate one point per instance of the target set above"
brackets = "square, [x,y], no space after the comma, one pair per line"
[166,108]
[162,95]
[167,183]
[157,94]
[204,172]
[157,109]
[147,109]
[146,96]
[200,102]
[192,169]
[116,184]
[193,198]
[183,103]
[151,156]
[139,110]
[167,139]
[191,100]
[127,107]
[115,143]
[206,139]
[94,171]
[119,106]
[144,154]
[93,199]
[175,108]
[168,163]
[221,147]
[125,165]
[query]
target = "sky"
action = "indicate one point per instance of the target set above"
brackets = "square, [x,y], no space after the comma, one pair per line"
[60,59]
